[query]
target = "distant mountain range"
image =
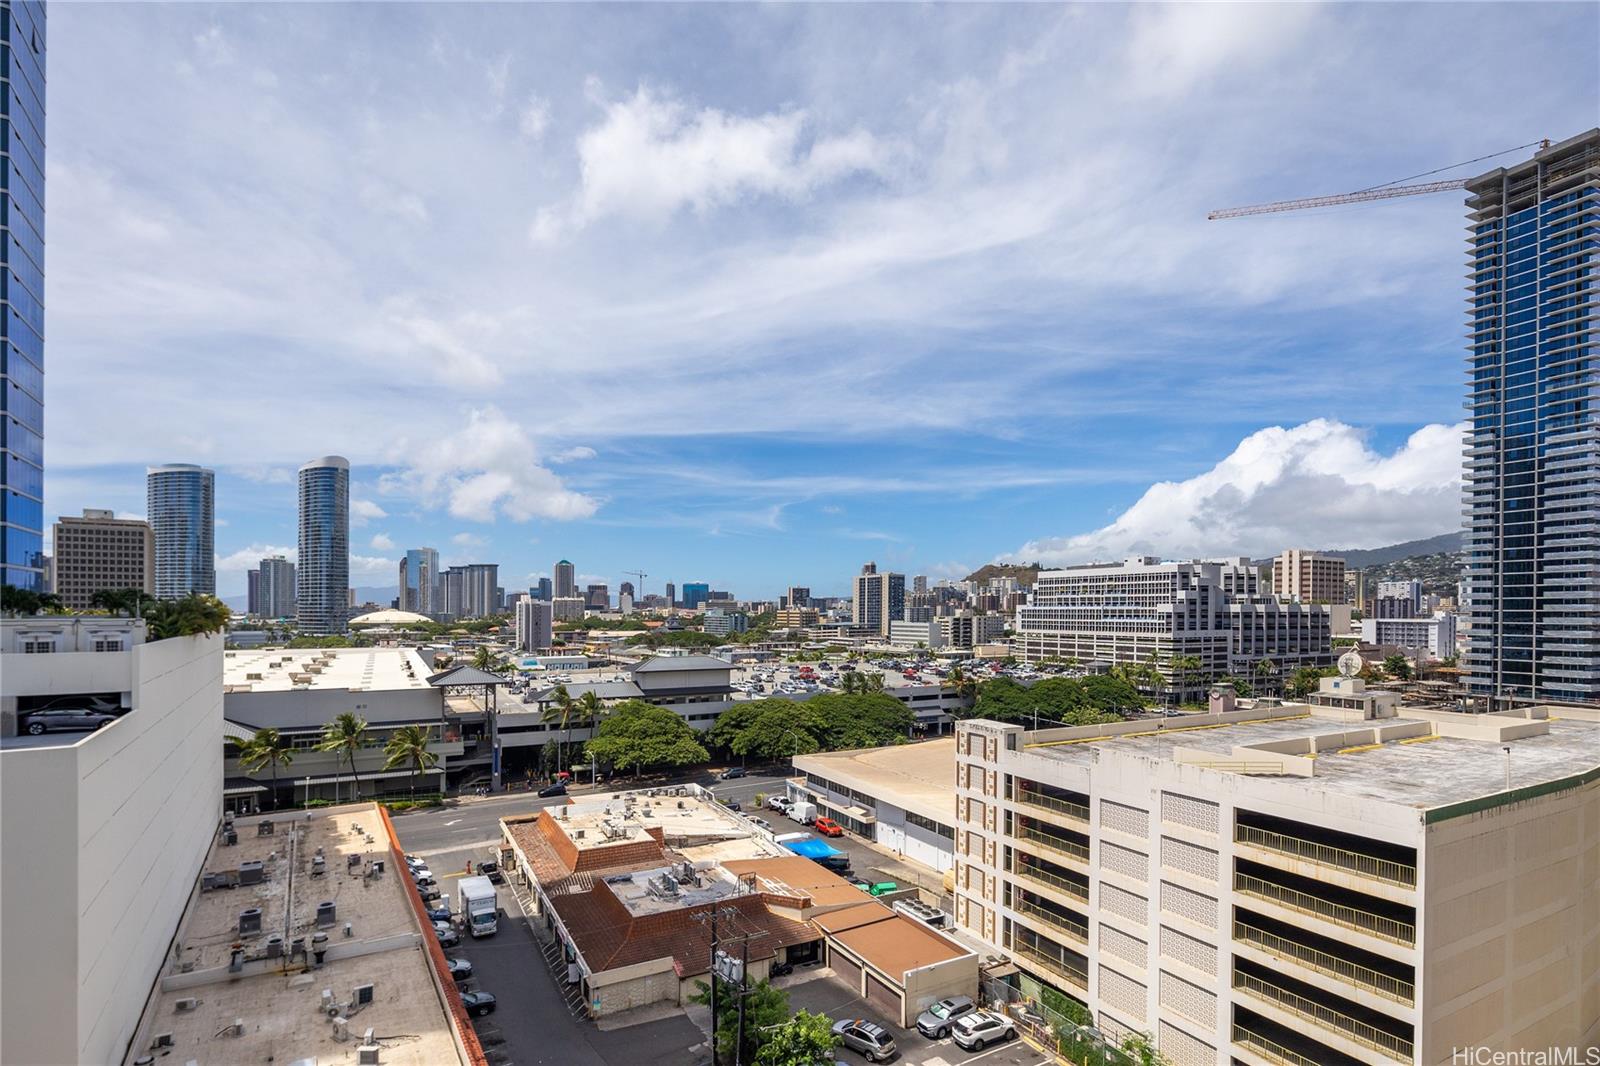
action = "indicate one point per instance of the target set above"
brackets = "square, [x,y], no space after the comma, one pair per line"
[1362,558]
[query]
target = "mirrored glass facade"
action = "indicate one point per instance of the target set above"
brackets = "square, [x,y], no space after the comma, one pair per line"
[181,503]
[322,578]
[1532,544]
[22,53]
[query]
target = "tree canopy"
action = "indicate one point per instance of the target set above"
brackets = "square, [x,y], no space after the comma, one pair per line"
[804,1040]
[778,728]
[766,1010]
[1068,700]
[676,638]
[638,736]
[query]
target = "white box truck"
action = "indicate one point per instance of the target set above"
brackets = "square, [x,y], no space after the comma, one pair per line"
[477,905]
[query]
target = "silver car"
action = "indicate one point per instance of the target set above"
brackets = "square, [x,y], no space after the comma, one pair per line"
[935,1022]
[62,719]
[981,1028]
[872,1040]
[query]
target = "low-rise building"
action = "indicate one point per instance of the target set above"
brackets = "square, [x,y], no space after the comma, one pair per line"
[568,608]
[796,617]
[104,831]
[1332,884]
[720,621]
[898,796]
[304,941]
[632,883]
[101,551]
[1436,635]
[923,634]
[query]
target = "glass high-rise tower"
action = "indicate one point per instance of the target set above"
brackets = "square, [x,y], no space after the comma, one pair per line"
[180,501]
[1533,453]
[22,294]
[322,575]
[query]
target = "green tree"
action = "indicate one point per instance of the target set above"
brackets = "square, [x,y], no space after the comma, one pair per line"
[266,748]
[561,712]
[961,684]
[193,614]
[765,1009]
[408,745]
[132,602]
[1185,670]
[1304,681]
[1242,688]
[1267,674]
[1141,1051]
[346,735]
[639,736]
[23,602]
[484,659]
[862,720]
[804,1040]
[1397,666]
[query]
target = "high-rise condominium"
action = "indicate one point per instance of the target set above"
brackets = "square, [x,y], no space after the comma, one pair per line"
[879,599]
[566,579]
[1532,496]
[101,551]
[419,577]
[534,625]
[544,589]
[181,500]
[471,591]
[275,588]
[797,596]
[1308,577]
[322,579]
[22,297]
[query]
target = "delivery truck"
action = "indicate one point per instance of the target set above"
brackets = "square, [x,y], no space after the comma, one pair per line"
[478,909]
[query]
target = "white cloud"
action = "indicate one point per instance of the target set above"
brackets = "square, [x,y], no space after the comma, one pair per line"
[535,118]
[569,455]
[1315,485]
[364,511]
[263,475]
[371,566]
[467,540]
[382,542]
[213,47]
[485,468]
[388,200]
[248,558]
[652,155]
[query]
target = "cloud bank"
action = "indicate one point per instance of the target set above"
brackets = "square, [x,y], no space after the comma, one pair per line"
[1315,485]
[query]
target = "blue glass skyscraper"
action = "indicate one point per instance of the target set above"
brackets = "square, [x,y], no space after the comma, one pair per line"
[1533,453]
[22,294]
[180,502]
[322,579]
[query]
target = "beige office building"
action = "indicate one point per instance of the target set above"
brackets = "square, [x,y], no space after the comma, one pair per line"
[1309,578]
[1301,885]
[102,551]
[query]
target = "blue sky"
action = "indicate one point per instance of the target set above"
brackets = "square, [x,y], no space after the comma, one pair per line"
[751,295]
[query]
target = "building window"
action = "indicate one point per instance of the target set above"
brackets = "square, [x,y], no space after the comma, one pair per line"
[108,644]
[38,645]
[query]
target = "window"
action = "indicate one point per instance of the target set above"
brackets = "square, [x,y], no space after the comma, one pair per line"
[108,644]
[38,645]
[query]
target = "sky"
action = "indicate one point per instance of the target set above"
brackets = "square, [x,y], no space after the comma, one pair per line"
[754,294]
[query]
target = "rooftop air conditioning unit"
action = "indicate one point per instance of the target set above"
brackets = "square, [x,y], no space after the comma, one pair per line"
[187,1003]
[162,1040]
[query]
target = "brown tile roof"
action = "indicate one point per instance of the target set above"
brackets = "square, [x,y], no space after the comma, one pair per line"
[794,877]
[559,865]
[608,937]
[897,944]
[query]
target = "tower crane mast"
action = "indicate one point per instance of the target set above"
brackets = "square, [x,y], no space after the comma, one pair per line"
[641,575]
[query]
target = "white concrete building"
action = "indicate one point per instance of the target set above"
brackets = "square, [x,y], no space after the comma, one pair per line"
[1436,635]
[899,796]
[1297,884]
[103,833]
[926,634]
[535,624]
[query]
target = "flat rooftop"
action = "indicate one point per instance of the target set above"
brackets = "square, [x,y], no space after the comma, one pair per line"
[1423,770]
[354,669]
[648,892]
[278,1001]
[916,777]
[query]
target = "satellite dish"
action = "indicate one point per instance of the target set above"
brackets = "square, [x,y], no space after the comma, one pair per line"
[1350,663]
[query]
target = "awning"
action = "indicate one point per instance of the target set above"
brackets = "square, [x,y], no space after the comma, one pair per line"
[860,814]
[240,786]
[234,731]
[329,779]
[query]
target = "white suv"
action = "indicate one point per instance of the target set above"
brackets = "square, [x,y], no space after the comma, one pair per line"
[981,1028]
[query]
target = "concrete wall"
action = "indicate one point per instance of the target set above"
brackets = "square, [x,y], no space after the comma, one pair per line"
[912,841]
[314,708]
[104,839]
[1511,927]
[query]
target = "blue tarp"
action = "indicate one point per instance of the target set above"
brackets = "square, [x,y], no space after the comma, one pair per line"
[813,848]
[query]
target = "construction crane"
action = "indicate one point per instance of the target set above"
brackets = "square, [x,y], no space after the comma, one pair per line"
[641,575]
[1388,191]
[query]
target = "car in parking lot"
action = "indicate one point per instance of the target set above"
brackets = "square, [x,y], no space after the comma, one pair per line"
[869,1038]
[478,1003]
[64,719]
[557,789]
[828,827]
[460,969]
[934,1023]
[760,823]
[491,870]
[781,804]
[441,913]
[980,1028]
[448,937]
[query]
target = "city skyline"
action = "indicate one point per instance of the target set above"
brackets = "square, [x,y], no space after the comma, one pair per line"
[1046,412]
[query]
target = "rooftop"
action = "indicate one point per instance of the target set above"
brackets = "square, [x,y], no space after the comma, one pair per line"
[389,618]
[278,997]
[916,777]
[1422,759]
[353,669]
[663,663]
[890,941]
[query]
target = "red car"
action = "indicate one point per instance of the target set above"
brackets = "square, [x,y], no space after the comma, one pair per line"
[828,827]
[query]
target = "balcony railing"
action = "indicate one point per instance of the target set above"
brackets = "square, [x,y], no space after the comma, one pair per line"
[1397,1047]
[1044,840]
[1029,797]
[1052,919]
[1268,1049]
[1055,881]
[1387,870]
[1364,977]
[1348,917]
[1055,964]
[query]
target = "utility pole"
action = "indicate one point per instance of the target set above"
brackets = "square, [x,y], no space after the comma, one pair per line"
[714,911]
[744,981]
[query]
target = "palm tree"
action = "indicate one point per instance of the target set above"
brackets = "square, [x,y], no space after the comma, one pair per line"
[589,711]
[346,735]
[963,685]
[560,712]
[484,659]
[409,744]
[1266,669]
[266,748]
[23,602]
[1184,667]
[132,602]
[195,613]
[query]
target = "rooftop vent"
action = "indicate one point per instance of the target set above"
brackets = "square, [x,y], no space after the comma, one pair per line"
[250,872]
[274,946]
[264,828]
[250,921]
[325,914]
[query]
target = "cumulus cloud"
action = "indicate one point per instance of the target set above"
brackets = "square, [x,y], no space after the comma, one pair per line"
[535,118]
[1315,485]
[569,455]
[382,542]
[467,540]
[250,556]
[486,468]
[652,155]
[364,511]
